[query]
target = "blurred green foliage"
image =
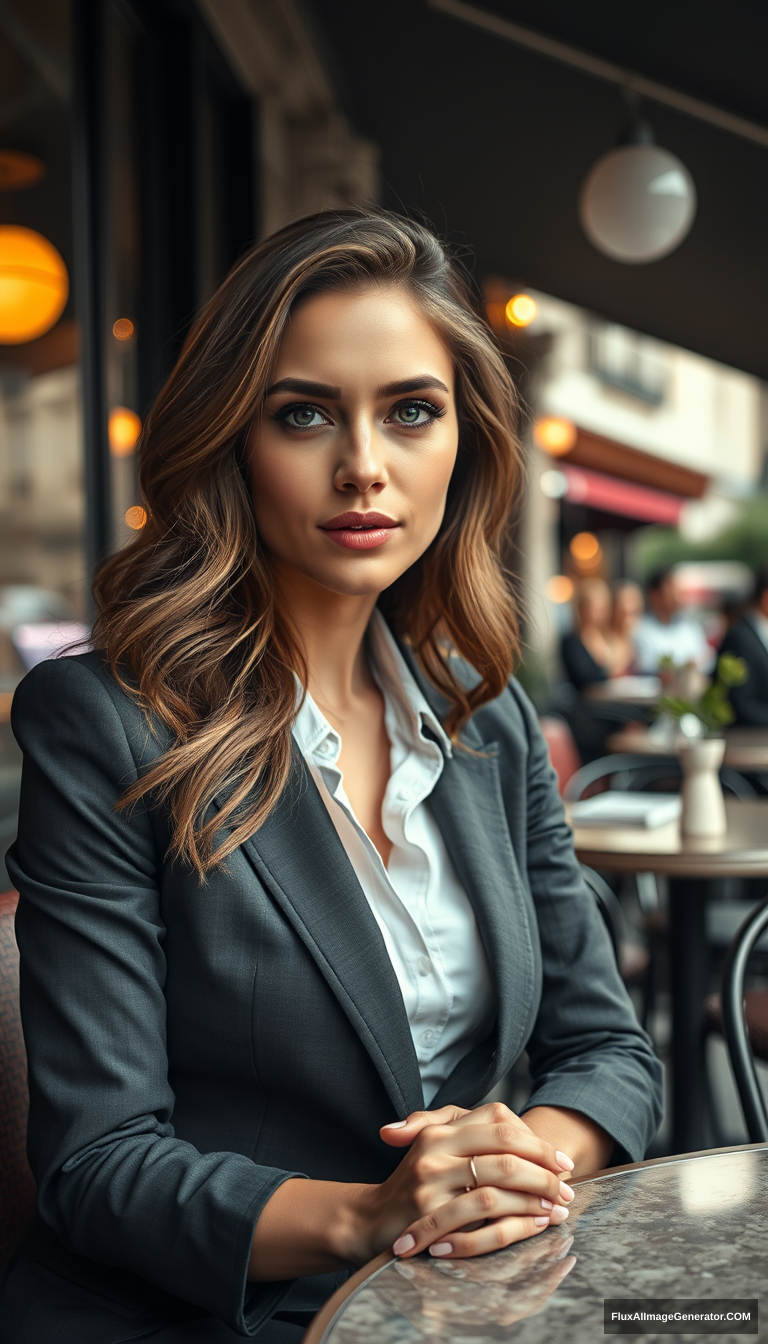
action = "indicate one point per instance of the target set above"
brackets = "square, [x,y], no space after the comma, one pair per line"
[745,539]
[713,709]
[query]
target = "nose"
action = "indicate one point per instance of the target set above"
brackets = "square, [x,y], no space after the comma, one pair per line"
[362,466]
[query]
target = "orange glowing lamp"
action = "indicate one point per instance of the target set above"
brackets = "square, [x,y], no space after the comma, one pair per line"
[124,430]
[34,285]
[585,547]
[559,589]
[555,435]
[136,517]
[521,310]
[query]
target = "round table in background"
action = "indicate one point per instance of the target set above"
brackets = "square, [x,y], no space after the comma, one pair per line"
[694,1227]
[746,749]
[690,865]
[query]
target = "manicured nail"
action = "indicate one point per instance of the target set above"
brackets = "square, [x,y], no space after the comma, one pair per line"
[564,1161]
[566,1192]
[403,1244]
[541,1222]
[398,1124]
[558,1215]
[546,1203]
[441,1248]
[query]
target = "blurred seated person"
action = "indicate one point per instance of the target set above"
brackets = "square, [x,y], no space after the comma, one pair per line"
[587,650]
[665,631]
[627,610]
[748,639]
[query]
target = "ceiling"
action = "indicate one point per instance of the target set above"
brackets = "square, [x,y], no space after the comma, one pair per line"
[492,142]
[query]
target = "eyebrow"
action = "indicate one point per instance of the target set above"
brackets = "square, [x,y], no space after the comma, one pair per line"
[307,388]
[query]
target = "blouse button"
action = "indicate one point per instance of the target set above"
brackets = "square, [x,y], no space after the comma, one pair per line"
[428,1038]
[424,965]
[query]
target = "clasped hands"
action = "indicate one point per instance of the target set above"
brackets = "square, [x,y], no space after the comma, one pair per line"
[431,1201]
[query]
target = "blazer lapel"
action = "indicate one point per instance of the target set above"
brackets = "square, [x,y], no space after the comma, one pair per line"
[300,860]
[468,805]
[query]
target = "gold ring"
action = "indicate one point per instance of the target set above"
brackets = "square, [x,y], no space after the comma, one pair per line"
[473,1169]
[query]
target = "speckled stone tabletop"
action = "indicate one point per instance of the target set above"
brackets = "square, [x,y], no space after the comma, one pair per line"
[690,1227]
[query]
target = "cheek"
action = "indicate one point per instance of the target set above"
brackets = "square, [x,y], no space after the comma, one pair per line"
[280,487]
[427,480]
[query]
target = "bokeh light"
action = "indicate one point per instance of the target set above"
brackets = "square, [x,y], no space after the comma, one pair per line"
[136,517]
[123,329]
[559,588]
[34,285]
[553,484]
[585,547]
[521,310]
[555,435]
[124,430]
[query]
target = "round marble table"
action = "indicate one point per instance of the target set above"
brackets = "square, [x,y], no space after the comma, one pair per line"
[695,1226]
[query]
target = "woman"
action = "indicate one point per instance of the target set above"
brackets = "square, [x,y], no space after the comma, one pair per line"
[291,858]
[627,611]
[587,651]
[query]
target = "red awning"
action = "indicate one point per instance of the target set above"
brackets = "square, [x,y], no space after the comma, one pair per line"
[614,496]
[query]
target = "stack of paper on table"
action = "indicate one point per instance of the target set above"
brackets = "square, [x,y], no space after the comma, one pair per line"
[627,809]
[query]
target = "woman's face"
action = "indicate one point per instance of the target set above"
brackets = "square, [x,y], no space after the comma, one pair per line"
[352,456]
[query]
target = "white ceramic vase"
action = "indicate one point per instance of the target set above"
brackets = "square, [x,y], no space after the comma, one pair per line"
[703,803]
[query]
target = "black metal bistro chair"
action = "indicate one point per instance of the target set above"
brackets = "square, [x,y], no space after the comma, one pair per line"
[743,1020]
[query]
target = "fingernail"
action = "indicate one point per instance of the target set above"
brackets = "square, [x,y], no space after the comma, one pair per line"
[397,1124]
[541,1222]
[403,1244]
[441,1248]
[566,1192]
[564,1161]
[558,1215]
[546,1203]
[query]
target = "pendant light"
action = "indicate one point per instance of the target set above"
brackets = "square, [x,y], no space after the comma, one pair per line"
[34,285]
[638,201]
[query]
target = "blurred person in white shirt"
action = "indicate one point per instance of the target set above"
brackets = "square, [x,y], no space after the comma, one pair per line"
[666,631]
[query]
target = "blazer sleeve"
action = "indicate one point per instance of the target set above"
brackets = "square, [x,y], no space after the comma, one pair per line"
[114,1181]
[587,1051]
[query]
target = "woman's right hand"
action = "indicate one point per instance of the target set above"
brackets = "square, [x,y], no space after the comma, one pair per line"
[425,1203]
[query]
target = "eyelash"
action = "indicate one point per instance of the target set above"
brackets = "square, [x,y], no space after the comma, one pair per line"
[434,413]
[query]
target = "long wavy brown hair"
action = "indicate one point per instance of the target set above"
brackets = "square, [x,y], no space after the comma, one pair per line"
[187,616]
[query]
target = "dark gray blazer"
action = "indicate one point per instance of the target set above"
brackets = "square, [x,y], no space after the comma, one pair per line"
[192,1046]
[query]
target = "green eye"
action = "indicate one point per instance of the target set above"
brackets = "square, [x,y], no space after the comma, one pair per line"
[304,417]
[301,416]
[415,414]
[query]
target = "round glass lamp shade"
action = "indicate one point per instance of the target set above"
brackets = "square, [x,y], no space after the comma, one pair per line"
[637,203]
[34,285]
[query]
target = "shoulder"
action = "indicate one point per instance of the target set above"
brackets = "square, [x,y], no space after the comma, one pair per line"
[79,696]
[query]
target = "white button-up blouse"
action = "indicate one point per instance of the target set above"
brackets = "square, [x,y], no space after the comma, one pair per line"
[425,917]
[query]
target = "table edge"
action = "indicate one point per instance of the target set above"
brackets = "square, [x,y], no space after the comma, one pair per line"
[316,1330]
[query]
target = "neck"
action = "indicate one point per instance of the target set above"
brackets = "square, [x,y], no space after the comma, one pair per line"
[331,628]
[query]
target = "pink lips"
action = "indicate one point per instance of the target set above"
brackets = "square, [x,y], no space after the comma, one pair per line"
[360,531]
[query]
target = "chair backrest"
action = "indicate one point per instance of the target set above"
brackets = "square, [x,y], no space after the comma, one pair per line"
[608,904]
[632,770]
[735,1025]
[562,748]
[17,1186]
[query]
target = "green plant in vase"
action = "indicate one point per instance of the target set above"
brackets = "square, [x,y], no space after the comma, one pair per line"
[712,709]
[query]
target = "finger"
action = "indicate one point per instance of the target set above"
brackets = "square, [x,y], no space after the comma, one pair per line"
[509,1171]
[496,1113]
[525,1161]
[473,1207]
[492,1237]
[473,1140]
[401,1133]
